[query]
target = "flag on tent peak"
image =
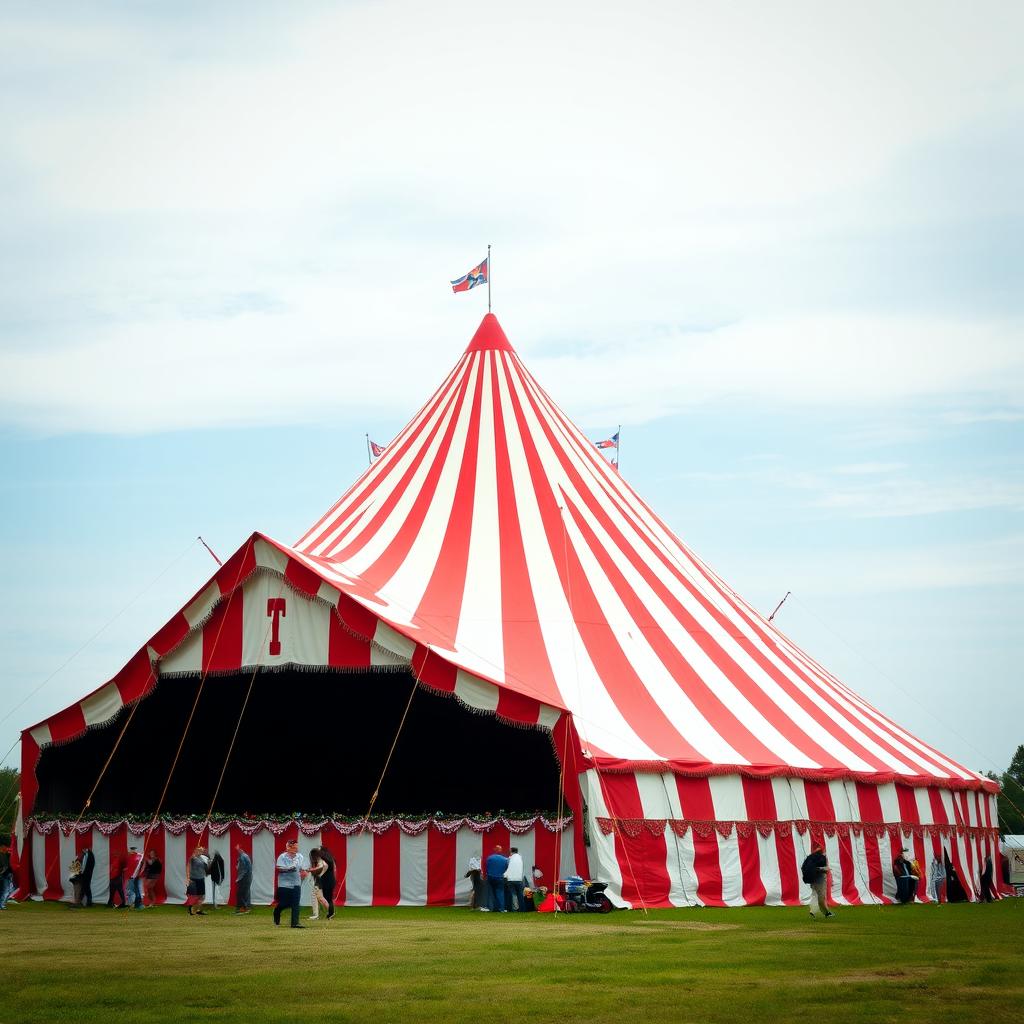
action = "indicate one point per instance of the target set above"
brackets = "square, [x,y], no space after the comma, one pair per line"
[611,442]
[478,275]
[376,450]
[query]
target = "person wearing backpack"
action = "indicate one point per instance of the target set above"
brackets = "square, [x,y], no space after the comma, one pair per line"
[814,872]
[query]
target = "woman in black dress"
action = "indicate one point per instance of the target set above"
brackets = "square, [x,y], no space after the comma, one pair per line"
[328,881]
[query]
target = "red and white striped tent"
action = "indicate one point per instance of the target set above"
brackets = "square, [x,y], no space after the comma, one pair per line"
[493,552]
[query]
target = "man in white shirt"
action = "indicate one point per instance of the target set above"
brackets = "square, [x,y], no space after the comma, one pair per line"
[515,878]
[291,870]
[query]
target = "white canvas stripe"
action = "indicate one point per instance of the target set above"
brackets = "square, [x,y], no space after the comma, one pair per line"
[102,705]
[393,641]
[479,635]
[187,657]
[732,872]
[890,802]
[201,608]
[359,877]
[467,844]
[41,734]
[412,856]
[727,797]
[175,860]
[67,855]
[476,692]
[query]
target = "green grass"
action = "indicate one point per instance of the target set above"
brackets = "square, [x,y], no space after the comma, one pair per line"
[871,964]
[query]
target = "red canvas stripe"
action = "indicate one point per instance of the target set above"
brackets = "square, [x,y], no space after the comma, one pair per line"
[433,671]
[547,849]
[338,845]
[117,850]
[908,805]
[302,578]
[642,859]
[441,868]
[67,724]
[754,892]
[222,636]
[135,679]
[29,782]
[53,890]
[789,873]
[387,871]
[696,804]
[517,708]
[343,649]
[759,799]
[498,836]
[695,799]
[355,617]
[170,635]
[238,568]
[819,801]
[525,653]
[869,802]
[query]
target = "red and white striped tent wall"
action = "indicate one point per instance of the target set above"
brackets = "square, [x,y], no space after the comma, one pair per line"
[494,553]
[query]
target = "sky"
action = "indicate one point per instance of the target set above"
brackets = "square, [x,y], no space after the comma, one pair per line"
[780,244]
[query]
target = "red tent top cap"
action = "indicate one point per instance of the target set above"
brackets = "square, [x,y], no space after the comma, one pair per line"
[489,335]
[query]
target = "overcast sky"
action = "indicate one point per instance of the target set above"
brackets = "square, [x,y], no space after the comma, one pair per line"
[781,244]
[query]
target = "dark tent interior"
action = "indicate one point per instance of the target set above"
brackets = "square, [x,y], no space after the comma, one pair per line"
[310,743]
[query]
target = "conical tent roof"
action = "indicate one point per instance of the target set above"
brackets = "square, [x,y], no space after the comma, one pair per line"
[492,533]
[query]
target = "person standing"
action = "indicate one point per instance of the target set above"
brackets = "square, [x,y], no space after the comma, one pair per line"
[937,878]
[814,872]
[117,882]
[906,883]
[243,881]
[88,864]
[151,871]
[515,880]
[75,878]
[496,866]
[291,869]
[987,890]
[317,869]
[329,881]
[198,868]
[478,898]
[133,871]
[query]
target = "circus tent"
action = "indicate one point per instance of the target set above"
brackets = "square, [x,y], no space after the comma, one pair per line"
[493,556]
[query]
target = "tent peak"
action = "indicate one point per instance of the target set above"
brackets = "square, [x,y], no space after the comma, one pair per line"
[489,335]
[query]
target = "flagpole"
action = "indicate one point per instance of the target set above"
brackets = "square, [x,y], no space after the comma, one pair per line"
[488,277]
[618,450]
[369,454]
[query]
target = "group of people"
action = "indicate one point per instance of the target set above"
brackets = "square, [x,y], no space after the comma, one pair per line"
[943,881]
[141,873]
[292,869]
[500,883]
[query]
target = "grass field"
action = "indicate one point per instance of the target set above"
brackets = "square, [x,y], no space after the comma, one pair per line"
[906,964]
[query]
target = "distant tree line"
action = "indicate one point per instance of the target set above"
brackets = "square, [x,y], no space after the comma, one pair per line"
[1011,799]
[10,780]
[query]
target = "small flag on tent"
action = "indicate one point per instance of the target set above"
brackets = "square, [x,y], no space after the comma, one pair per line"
[376,450]
[611,442]
[478,275]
